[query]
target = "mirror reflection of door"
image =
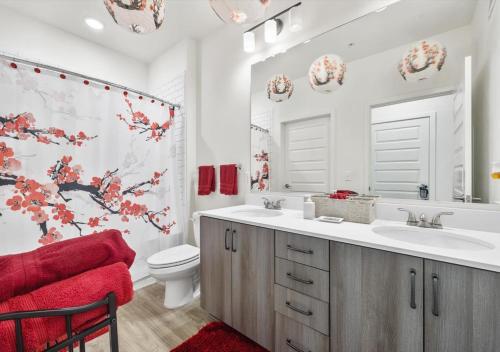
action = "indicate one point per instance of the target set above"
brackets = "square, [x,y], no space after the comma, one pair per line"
[307,155]
[401,158]
[413,148]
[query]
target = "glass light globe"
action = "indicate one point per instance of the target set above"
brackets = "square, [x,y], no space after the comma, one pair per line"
[240,11]
[423,60]
[326,73]
[279,88]
[138,16]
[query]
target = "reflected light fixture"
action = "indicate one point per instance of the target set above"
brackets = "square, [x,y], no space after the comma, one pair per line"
[94,24]
[295,19]
[249,42]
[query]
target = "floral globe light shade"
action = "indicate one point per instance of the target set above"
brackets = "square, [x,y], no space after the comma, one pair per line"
[139,16]
[422,61]
[326,73]
[240,11]
[279,88]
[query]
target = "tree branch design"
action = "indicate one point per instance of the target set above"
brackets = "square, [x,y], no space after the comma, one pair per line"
[138,121]
[46,202]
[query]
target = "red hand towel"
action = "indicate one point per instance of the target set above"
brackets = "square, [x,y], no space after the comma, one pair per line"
[229,179]
[79,290]
[206,180]
[25,272]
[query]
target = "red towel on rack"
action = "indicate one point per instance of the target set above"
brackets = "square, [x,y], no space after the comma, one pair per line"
[229,179]
[79,290]
[25,272]
[206,180]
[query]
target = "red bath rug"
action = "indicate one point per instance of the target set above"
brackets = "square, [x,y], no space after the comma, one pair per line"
[218,337]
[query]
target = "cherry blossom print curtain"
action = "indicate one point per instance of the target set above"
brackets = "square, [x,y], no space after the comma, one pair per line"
[77,157]
[260,175]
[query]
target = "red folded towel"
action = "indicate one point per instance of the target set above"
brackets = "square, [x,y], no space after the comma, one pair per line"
[206,180]
[229,179]
[79,290]
[25,272]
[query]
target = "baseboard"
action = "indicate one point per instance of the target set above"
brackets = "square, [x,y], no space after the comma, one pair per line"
[144,282]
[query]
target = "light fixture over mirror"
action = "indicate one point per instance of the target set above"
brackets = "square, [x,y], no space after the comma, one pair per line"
[141,17]
[240,11]
[249,42]
[272,28]
[295,19]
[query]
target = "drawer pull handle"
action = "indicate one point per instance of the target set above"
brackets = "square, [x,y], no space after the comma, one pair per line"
[233,242]
[298,310]
[295,249]
[290,344]
[298,279]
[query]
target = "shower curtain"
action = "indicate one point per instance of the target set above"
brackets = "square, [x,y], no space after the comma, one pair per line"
[260,149]
[78,157]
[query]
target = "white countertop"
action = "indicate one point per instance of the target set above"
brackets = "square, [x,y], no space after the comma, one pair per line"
[362,235]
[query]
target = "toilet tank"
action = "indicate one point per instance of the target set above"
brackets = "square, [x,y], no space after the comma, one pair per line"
[196,228]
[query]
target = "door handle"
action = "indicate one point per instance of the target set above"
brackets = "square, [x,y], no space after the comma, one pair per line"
[233,242]
[295,249]
[290,344]
[298,279]
[435,295]
[226,245]
[298,310]
[413,277]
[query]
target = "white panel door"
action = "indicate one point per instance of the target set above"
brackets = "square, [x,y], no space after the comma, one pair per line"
[307,159]
[400,157]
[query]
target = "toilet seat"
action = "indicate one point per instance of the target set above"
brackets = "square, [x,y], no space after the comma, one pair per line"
[174,256]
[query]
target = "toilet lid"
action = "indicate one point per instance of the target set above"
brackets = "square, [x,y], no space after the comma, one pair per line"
[174,256]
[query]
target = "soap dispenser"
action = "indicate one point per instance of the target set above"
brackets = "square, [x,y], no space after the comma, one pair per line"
[309,208]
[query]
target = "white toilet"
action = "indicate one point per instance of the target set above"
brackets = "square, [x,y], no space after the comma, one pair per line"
[178,267]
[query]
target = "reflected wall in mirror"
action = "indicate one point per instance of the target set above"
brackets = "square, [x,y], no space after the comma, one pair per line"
[399,103]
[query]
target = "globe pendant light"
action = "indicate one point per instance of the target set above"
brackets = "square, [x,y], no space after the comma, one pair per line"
[139,16]
[326,73]
[240,11]
[422,61]
[279,88]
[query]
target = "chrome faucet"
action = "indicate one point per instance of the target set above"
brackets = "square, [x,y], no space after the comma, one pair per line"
[269,204]
[435,223]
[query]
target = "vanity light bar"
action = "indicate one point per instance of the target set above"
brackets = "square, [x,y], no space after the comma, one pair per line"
[273,26]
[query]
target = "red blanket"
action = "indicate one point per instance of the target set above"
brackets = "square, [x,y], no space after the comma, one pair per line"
[25,272]
[79,290]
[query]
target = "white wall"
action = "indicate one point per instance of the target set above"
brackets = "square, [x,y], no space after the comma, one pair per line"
[486,102]
[33,40]
[349,106]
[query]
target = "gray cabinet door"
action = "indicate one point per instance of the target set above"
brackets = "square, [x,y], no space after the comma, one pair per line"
[253,283]
[462,309]
[376,300]
[215,268]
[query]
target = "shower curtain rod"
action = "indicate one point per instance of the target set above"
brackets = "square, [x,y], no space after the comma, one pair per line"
[60,70]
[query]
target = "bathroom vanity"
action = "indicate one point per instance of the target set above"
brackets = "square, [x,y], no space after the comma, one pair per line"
[299,285]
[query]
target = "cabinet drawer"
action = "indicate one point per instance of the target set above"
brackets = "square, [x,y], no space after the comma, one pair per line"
[305,279]
[292,336]
[303,249]
[301,308]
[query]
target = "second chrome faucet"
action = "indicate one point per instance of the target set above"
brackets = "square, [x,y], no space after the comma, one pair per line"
[435,223]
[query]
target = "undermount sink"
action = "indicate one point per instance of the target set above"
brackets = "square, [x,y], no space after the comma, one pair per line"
[432,238]
[259,213]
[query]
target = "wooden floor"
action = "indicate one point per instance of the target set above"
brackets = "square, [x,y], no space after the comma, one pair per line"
[146,325]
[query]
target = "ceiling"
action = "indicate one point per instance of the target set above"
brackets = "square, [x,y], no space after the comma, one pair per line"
[185,18]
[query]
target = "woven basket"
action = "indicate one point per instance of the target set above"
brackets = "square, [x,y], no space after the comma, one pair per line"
[355,209]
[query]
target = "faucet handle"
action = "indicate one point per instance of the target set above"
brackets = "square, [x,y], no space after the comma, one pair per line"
[277,203]
[436,220]
[412,220]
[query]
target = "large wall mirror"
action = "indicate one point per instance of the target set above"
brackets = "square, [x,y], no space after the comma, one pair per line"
[401,103]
